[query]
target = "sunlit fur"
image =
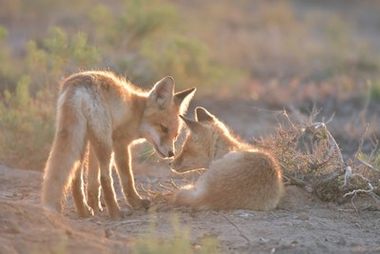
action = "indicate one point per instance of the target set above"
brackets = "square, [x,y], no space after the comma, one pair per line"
[109,113]
[239,176]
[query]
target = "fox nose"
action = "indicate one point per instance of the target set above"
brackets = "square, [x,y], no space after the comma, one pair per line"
[170,154]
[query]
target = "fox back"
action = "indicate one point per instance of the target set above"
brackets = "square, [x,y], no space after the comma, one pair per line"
[238,176]
[99,110]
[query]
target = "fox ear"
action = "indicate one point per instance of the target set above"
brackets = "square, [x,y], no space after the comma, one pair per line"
[193,125]
[202,115]
[182,99]
[162,92]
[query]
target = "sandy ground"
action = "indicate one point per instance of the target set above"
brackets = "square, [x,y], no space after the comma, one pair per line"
[301,224]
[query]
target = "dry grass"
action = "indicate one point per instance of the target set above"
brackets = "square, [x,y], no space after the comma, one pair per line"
[311,158]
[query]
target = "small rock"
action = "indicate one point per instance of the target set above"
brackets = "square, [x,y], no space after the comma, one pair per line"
[244,214]
[294,242]
[68,232]
[108,233]
[341,241]
[303,216]
[263,240]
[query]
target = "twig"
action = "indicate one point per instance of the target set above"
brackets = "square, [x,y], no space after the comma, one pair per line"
[174,184]
[313,114]
[369,192]
[149,192]
[362,177]
[278,112]
[165,187]
[347,176]
[332,141]
[375,143]
[120,223]
[320,164]
[330,119]
[300,118]
[355,192]
[288,118]
[360,146]
[368,165]
[238,229]
[294,180]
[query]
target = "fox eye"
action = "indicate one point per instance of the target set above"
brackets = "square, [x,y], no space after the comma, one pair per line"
[164,129]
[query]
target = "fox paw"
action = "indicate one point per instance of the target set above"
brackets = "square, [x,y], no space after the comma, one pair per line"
[96,207]
[138,203]
[86,212]
[120,214]
[94,202]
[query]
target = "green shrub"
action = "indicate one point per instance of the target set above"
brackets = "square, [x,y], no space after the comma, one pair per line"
[142,38]
[27,111]
[150,36]
[27,128]
[179,242]
[8,72]
[375,90]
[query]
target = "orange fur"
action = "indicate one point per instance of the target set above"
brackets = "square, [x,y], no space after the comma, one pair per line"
[239,176]
[109,113]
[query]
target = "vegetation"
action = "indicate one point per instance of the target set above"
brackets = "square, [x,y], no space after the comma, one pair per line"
[179,242]
[267,51]
[375,90]
[143,39]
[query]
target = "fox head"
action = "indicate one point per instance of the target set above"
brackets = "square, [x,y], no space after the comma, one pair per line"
[199,148]
[160,123]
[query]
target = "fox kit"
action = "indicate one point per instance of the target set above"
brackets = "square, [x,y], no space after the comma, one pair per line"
[238,176]
[109,113]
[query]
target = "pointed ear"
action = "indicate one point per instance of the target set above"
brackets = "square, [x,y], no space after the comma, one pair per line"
[193,125]
[162,92]
[202,115]
[182,99]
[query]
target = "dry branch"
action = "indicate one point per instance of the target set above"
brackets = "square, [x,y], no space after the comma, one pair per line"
[311,158]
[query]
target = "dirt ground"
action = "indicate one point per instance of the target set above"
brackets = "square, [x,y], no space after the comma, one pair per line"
[301,224]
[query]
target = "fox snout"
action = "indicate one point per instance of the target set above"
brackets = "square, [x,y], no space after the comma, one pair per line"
[164,152]
[163,146]
[168,154]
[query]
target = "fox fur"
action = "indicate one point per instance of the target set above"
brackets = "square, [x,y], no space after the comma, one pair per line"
[108,113]
[239,176]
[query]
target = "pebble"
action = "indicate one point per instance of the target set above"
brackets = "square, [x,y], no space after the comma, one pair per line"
[341,241]
[303,216]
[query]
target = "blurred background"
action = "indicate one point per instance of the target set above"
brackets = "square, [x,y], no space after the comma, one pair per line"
[249,60]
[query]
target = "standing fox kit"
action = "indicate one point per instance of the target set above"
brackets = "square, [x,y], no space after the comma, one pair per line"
[108,113]
[238,176]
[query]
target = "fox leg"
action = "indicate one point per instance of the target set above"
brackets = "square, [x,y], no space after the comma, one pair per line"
[123,164]
[77,187]
[93,181]
[66,151]
[103,152]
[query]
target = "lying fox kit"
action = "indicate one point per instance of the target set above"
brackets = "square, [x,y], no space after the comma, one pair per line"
[238,176]
[109,113]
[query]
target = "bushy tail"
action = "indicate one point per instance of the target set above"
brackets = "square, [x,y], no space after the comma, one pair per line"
[190,196]
[65,155]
